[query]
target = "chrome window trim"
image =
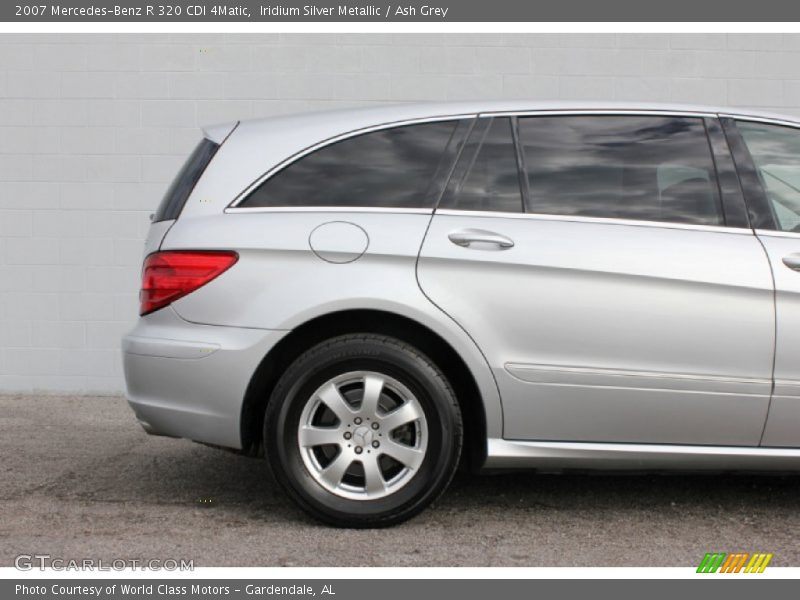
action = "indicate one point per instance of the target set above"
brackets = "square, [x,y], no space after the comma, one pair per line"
[599,220]
[233,207]
[338,138]
[778,233]
[767,120]
[598,112]
[328,209]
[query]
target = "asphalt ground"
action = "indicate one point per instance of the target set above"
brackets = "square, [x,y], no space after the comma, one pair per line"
[80,479]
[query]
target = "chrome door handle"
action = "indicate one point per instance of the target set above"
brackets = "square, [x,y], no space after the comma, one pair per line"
[792,261]
[467,237]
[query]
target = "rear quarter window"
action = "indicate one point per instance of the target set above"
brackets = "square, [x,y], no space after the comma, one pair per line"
[181,187]
[397,167]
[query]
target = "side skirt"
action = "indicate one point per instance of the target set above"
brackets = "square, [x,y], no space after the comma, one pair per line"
[558,456]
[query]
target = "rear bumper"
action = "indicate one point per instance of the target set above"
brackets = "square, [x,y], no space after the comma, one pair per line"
[189,380]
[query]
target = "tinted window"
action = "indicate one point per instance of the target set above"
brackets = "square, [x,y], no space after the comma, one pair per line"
[776,154]
[623,167]
[490,180]
[184,182]
[387,168]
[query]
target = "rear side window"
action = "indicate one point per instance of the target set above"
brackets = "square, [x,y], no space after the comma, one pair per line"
[184,182]
[649,168]
[391,168]
[491,181]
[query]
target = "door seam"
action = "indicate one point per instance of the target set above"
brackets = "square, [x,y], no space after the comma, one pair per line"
[774,337]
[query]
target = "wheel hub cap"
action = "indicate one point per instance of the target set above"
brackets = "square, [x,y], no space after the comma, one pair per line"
[362,436]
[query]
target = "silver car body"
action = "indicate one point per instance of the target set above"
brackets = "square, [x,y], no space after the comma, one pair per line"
[571,371]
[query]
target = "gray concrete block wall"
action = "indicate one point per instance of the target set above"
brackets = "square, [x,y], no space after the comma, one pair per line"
[92,128]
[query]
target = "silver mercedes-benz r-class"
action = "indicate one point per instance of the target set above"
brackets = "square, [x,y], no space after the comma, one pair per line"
[372,297]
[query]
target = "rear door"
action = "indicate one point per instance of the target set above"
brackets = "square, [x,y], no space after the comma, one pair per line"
[609,277]
[773,153]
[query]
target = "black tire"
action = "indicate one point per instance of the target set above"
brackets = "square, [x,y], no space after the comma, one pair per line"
[387,356]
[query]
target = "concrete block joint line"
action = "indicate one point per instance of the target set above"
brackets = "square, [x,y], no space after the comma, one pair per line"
[93,127]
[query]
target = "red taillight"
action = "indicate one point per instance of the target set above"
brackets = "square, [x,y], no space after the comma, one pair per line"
[167,276]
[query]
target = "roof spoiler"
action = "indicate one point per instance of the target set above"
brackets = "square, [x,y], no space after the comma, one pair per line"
[219,133]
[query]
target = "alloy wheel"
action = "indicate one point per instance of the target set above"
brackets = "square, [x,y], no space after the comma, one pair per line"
[362,435]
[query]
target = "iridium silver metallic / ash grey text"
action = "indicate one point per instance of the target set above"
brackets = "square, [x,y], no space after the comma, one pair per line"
[371,297]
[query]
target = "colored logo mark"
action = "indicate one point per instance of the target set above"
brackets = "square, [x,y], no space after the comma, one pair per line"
[739,562]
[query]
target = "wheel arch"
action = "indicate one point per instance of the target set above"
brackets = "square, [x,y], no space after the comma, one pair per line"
[430,343]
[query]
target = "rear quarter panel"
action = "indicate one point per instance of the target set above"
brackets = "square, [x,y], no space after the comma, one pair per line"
[279,283]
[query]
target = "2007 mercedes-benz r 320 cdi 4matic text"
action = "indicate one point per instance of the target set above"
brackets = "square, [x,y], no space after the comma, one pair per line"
[370,296]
